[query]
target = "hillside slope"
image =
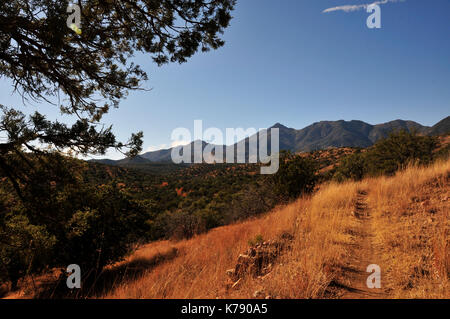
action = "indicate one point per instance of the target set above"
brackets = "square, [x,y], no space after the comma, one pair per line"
[318,136]
[316,247]
[327,134]
[443,127]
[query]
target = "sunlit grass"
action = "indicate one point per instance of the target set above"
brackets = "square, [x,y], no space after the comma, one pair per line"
[413,244]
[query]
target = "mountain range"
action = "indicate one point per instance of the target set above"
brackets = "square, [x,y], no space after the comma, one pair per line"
[320,135]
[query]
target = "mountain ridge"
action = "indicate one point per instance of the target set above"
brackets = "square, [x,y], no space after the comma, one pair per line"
[317,136]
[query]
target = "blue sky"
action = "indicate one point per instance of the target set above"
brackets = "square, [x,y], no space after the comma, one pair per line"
[286,61]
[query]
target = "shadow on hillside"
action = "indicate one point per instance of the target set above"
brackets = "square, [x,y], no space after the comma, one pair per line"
[94,285]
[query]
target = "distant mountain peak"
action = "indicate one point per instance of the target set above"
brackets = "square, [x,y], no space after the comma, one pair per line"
[321,135]
[279,126]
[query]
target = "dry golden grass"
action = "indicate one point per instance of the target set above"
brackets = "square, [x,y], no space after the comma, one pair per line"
[319,225]
[411,217]
[199,269]
[411,235]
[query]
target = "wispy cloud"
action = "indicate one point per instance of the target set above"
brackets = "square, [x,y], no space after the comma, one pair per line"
[356,7]
[153,148]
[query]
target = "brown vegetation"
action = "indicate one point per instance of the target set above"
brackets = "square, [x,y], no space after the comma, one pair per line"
[407,234]
[317,247]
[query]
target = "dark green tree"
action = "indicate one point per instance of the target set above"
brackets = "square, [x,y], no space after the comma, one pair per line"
[60,219]
[57,217]
[351,167]
[388,156]
[296,175]
[45,58]
[398,150]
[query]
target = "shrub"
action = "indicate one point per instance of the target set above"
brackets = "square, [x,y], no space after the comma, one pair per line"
[61,220]
[296,176]
[24,248]
[102,231]
[388,156]
[443,153]
[181,225]
[351,167]
[257,240]
[398,150]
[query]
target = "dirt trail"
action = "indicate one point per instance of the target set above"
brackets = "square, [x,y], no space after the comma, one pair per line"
[361,255]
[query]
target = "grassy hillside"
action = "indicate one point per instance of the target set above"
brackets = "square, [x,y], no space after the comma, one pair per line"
[331,236]
[400,223]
